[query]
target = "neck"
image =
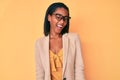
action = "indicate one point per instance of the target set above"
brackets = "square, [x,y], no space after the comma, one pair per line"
[55,35]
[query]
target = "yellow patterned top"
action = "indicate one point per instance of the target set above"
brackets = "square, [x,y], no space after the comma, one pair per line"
[56,65]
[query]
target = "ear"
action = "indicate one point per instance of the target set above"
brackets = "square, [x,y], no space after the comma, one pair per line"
[49,17]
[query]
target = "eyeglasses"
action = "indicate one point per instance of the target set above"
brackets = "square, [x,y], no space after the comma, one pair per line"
[59,17]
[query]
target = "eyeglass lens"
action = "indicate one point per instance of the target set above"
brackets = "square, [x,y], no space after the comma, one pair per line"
[60,17]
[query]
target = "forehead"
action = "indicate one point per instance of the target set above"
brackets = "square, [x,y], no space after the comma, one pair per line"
[61,11]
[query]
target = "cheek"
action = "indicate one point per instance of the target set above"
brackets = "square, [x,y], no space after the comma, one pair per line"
[65,24]
[53,21]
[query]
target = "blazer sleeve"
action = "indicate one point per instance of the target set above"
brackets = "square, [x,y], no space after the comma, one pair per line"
[79,67]
[39,67]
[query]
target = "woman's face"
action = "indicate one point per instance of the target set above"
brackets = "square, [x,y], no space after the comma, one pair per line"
[58,20]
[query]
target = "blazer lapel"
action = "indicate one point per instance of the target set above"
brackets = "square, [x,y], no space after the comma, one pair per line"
[65,52]
[47,62]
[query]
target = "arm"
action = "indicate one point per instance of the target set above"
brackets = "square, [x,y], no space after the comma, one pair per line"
[39,67]
[79,67]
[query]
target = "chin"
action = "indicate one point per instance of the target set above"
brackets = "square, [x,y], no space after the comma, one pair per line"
[58,31]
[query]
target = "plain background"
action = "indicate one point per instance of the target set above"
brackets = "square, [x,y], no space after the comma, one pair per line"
[96,21]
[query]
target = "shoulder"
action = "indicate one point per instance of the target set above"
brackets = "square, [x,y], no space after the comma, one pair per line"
[72,35]
[40,40]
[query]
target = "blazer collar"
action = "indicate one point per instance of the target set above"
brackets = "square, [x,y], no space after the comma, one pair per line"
[46,59]
[65,52]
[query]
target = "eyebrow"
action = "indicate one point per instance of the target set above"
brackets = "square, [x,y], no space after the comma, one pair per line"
[61,14]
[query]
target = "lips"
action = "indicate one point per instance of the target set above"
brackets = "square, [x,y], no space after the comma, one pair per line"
[59,26]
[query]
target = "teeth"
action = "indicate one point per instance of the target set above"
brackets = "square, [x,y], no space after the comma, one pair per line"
[60,26]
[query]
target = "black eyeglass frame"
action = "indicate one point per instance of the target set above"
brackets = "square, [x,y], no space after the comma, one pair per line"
[59,17]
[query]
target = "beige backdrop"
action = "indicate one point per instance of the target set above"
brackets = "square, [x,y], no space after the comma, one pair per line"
[96,21]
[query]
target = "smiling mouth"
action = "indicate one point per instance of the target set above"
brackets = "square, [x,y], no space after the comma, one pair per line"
[59,26]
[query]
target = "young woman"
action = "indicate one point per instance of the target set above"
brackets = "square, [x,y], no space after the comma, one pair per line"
[58,53]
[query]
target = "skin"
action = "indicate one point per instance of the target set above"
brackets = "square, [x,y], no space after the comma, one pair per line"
[55,30]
